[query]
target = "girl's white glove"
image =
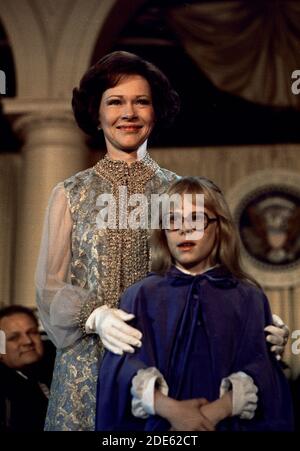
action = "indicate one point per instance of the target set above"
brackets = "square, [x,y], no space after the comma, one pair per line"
[143,386]
[116,335]
[244,394]
[278,336]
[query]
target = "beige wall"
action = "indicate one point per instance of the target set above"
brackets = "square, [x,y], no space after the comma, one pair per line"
[228,165]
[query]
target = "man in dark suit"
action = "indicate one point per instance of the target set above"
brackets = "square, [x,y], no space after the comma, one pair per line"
[25,371]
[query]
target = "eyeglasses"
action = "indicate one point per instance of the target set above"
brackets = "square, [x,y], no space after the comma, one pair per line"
[208,220]
[174,220]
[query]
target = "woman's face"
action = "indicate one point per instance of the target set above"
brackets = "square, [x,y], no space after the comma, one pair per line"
[126,114]
[189,253]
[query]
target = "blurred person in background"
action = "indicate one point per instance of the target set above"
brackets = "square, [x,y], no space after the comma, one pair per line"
[25,371]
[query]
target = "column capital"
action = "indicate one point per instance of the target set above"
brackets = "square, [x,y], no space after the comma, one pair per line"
[32,121]
[51,124]
[18,105]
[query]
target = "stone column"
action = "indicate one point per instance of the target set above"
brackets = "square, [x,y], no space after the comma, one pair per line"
[9,181]
[54,148]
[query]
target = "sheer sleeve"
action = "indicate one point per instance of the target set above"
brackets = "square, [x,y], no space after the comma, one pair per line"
[60,303]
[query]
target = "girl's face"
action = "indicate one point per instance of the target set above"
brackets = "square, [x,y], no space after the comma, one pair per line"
[195,255]
[126,114]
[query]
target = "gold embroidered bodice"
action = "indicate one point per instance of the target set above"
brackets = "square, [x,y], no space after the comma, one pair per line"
[106,261]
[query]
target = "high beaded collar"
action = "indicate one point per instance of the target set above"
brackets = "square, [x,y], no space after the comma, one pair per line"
[118,171]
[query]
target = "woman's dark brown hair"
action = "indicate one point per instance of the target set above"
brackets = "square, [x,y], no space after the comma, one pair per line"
[106,73]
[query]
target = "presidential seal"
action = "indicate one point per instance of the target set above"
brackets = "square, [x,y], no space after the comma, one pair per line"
[266,208]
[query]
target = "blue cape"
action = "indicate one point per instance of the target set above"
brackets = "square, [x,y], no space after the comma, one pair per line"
[166,310]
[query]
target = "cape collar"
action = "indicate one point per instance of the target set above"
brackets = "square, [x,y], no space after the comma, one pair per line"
[218,276]
[185,271]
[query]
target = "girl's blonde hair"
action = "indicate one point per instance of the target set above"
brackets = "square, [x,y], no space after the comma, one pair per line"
[227,249]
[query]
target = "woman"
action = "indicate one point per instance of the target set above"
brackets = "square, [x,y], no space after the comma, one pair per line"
[83,269]
[202,319]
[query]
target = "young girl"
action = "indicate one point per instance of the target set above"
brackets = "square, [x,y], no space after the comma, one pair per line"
[204,362]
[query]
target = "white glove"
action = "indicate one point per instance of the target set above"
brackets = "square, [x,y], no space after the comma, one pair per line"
[244,398]
[279,334]
[116,335]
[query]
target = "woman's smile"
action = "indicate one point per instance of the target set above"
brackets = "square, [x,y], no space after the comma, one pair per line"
[130,128]
[126,114]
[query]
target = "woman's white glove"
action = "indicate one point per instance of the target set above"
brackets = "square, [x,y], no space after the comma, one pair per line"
[244,398]
[115,334]
[279,334]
